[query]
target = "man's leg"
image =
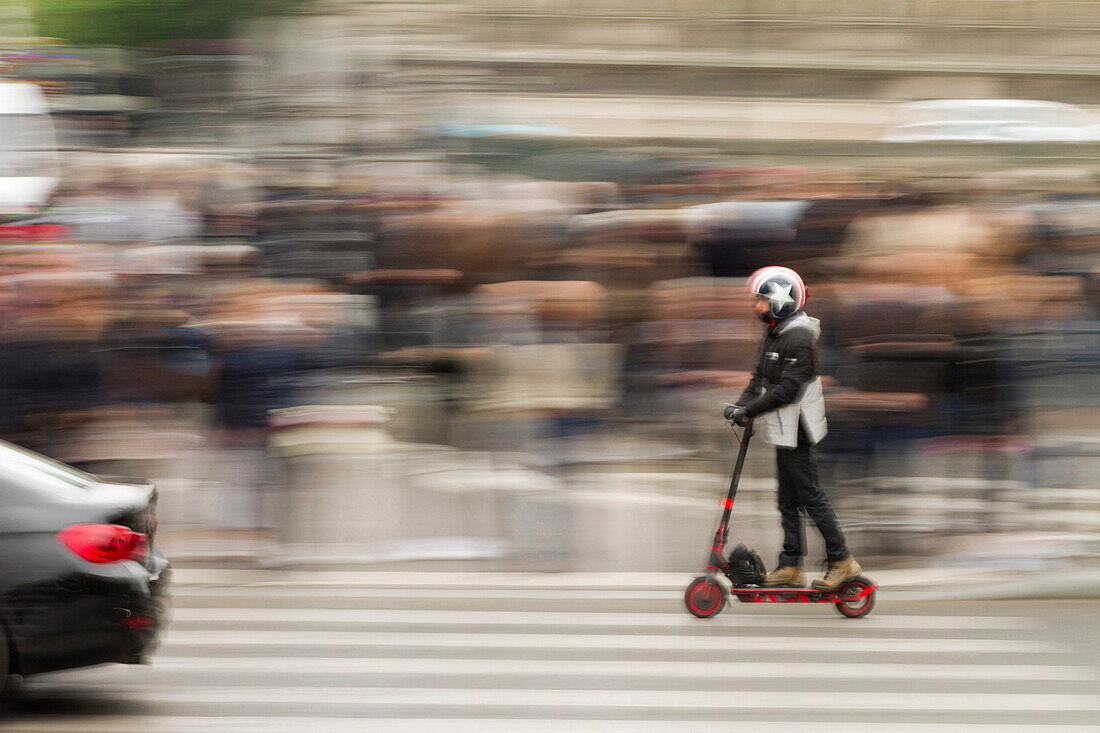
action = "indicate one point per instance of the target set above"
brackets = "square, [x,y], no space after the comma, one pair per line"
[802,467]
[794,535]
[790,572]
[842,566]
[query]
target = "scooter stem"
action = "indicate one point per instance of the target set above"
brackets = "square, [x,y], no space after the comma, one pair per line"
[722,534]
[735,480]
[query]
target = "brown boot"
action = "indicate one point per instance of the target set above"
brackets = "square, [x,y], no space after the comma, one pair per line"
[838,573]
[786,575]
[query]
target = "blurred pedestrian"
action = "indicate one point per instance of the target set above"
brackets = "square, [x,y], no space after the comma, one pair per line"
[785,392]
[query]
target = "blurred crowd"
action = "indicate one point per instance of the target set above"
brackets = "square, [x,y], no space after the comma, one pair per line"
[182,302]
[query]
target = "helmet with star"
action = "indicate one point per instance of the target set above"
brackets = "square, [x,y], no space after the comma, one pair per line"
[781,287]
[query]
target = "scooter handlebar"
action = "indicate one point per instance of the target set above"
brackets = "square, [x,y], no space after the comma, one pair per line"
[731,413]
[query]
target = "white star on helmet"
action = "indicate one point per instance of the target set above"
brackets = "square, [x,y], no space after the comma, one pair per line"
[779,295]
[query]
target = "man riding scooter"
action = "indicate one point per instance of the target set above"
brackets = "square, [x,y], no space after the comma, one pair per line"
[785,394]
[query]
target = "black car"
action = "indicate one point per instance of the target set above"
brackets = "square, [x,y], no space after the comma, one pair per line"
[80,580]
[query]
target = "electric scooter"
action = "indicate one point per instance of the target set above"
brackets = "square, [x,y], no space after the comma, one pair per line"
[706,596]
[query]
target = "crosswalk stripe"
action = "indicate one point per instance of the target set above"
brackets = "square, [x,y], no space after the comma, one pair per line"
[315,579]
[629,669]
[477,579]
[225,638]
[562,618]
[537,594]
[289,724]
[558,699]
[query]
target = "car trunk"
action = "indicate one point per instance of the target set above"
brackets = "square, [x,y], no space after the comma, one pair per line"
[129,502]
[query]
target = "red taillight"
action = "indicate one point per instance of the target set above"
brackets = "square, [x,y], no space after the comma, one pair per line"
[138,622]
[104,542]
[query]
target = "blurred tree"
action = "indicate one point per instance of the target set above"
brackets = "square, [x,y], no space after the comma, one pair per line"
[136,23]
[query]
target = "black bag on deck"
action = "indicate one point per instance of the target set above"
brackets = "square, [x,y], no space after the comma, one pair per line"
[746,567]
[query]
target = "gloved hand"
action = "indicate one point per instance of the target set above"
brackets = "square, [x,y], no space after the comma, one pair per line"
[736,415]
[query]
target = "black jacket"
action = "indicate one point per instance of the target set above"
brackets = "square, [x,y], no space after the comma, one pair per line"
[787,360]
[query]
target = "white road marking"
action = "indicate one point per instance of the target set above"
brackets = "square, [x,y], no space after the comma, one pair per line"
[611,619]
[658,642]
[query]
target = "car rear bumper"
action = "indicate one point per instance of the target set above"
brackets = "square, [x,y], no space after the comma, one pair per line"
[110,613]
[145,615]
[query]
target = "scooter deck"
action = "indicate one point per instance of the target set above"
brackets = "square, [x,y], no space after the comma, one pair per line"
[760,594]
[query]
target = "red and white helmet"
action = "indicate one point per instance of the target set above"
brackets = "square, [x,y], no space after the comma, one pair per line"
[782,286]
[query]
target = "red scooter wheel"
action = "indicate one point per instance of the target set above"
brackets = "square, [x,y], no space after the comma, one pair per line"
[857,598]
[705,597]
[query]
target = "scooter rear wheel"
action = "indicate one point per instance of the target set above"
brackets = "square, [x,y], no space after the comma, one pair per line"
[850,605]
[705,597]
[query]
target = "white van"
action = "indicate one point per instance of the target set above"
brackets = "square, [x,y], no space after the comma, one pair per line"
[29,165]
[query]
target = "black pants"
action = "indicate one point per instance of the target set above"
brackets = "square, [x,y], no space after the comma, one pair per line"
[799,491]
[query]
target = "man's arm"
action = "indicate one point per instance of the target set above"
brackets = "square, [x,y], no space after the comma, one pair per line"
[797,363]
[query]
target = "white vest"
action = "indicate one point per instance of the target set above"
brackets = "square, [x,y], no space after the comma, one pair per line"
[780,426]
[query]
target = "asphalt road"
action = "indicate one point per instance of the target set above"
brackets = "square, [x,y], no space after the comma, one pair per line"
[346,657]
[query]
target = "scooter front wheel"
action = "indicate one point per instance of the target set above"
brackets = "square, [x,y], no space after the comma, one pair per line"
[705,597]
[856,598]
